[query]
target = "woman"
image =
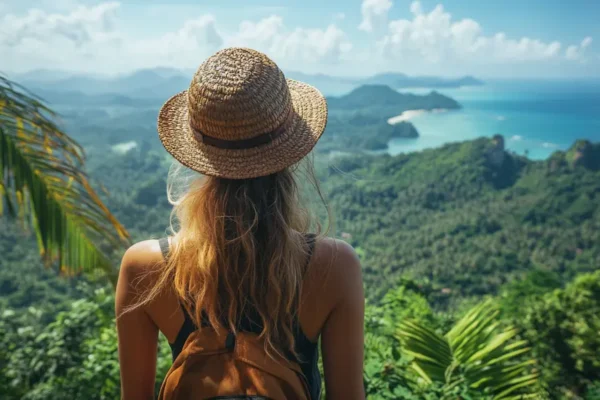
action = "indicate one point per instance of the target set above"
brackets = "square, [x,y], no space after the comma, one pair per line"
[241,259]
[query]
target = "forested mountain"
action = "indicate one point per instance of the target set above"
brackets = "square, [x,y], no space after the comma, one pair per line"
[437,232]
[468,217]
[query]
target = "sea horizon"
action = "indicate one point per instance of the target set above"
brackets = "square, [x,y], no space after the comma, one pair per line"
[536,117]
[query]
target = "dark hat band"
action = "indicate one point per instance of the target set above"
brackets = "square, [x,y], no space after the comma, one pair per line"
[242,144]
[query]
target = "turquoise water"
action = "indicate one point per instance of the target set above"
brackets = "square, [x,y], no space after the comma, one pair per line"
[537,117]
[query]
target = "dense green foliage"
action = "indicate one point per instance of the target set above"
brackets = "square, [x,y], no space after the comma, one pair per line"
[474,353]
[74,357]
[564,326]
[358,132]
[467,217]
[438,232]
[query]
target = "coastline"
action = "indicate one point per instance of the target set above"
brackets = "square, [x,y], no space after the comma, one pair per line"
[410,114]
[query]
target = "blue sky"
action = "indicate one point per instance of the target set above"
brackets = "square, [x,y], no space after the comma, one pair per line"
[510,38]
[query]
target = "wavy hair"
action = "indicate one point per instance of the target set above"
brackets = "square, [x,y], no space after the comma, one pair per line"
[240,251]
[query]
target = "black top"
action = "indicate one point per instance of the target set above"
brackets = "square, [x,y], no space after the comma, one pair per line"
[308,351]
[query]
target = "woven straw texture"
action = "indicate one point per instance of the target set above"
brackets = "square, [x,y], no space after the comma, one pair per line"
[238,94]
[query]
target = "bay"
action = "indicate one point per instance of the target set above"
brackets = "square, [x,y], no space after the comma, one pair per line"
[536,117]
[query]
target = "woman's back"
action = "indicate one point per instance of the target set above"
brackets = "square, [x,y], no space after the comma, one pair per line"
[332,311]
[242,257]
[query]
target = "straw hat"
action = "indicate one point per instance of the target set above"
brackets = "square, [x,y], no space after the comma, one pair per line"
[241,118]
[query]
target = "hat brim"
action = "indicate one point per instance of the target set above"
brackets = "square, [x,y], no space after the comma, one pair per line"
[308,124]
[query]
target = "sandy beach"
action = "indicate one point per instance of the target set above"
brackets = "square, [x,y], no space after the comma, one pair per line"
[409,114]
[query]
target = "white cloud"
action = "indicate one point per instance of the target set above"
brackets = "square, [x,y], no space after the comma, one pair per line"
[577,53]
[263,32]
[80,26]
[87,38]
[68,41]
[184,48]
[435,37]
[200,31]
[299,45]
[104,38]
[373,11]
[198,34]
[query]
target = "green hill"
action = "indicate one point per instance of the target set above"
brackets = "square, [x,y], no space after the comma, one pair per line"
[385,102]
[467,217]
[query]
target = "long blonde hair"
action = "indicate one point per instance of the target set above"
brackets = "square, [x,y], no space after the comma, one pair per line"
[240,251]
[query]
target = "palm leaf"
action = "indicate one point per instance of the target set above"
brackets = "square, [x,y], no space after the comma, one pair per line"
[475,352]
[516,384]
[42,183]
[430,352]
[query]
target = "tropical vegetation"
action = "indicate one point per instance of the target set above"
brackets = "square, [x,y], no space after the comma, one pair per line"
[480,265]
[43,184]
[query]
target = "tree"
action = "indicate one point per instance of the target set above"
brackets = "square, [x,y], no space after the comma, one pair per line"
[563,327]
[386,370]
[73,357]
[42,184]
[475,353]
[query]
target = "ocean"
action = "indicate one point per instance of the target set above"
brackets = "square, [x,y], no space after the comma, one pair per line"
[535,117]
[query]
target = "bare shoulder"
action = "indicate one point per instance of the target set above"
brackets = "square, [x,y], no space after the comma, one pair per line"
[136,273]
[339,254]
[139,259]
[338,265]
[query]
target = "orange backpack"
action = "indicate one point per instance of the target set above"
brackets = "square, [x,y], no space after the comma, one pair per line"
[228,367]
[231,367]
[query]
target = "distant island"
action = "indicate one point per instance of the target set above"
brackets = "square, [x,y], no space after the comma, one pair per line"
[332,85]
[387,102]
[367,118]
[400,81]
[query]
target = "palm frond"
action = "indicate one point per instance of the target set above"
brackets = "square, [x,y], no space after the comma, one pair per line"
[42,183]
[430,352]
[475,352]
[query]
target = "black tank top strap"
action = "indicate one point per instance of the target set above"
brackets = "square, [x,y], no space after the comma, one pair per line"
[311,240]
[164,247]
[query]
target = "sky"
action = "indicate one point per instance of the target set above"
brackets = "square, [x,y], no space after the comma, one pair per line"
[487,39]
